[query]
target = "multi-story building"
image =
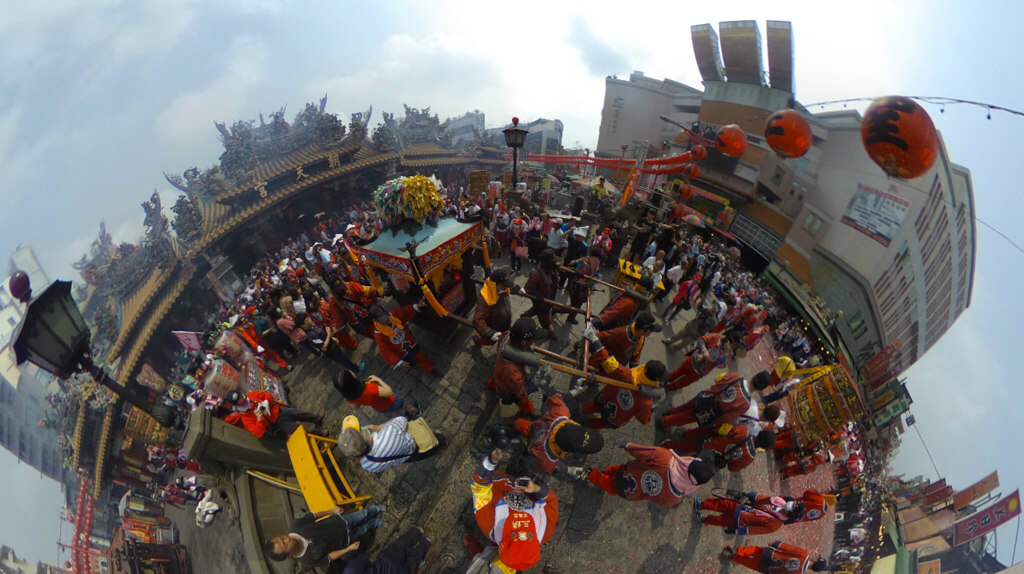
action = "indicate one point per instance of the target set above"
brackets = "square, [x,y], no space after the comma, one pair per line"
[11,564]
[24,390]
[21,411]
[830,229]
[466,128]
[545,136]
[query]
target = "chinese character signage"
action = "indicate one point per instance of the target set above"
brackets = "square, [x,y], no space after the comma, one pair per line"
[987,520]
[875,213]
[976,491]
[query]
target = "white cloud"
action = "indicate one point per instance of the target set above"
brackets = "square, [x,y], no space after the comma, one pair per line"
[20,159]
[191,115]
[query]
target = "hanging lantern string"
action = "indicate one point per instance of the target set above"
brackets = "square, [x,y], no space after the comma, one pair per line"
[934,100]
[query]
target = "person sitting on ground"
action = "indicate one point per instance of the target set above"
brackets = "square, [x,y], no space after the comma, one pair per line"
[260,412]
[317,540]
[380,447]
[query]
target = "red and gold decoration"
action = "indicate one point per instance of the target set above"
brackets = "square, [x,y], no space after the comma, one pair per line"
[899,136]
[731,140]
[699,152]
[788,133]
[687,191]
[691,171]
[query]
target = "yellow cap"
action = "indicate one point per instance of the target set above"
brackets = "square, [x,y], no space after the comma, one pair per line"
[350,422]
[784,367]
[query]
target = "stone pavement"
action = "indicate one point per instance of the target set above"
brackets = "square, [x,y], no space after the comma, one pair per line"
[596,532]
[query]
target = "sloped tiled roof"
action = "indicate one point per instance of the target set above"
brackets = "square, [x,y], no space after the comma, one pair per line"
[224,219]
[154,317]
[134,307]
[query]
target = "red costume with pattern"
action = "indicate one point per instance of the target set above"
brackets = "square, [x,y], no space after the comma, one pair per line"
[541,432]
[617,405]
[698,364]
[395,341]
[617,313]
[656,475]
[779,558]
[510,379]
[724,402]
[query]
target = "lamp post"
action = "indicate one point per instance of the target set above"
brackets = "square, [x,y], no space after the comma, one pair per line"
[515,137]
[53,336]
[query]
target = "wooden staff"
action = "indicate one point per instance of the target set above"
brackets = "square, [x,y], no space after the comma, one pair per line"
[595,279]
[590,377]
[551,302]
[586,341]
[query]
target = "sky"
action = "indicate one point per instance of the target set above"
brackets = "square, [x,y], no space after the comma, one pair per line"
[99,97]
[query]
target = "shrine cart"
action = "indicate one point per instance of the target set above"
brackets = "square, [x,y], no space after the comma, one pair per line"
[824,400]
[429,257]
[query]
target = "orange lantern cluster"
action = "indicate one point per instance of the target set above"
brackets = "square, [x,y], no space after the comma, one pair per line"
[898,135]
[731,140]
[687,191]
[699,152]
[788,133]
[691,171]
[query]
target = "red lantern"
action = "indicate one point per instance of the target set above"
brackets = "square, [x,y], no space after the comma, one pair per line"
[691,171]
[20,287]
[698,152]
[899,136]
[731,140]
[687,191]
[788,133]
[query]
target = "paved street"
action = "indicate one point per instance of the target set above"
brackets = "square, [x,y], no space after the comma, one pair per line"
[596,532]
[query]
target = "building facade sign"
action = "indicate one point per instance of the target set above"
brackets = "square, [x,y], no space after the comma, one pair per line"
[876,213]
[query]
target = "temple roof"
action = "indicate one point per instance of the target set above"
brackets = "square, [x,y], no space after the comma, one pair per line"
[101,455]
[153,319]
[279,165]
[135,306]
[220,219]
[424,149]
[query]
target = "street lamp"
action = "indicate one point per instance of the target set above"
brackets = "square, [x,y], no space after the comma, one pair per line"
[53,336]
[515,137]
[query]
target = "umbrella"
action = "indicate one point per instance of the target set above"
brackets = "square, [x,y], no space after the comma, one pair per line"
[694,220]
[735,251]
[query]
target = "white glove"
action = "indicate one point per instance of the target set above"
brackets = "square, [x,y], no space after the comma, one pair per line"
[590,334]
[521,291]
[496,336]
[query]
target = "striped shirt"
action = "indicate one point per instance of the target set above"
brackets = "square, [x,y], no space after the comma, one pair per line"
[392,445]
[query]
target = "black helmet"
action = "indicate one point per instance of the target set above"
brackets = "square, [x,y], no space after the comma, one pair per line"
[547,259]
[523,329]
[375,311]
[502,276]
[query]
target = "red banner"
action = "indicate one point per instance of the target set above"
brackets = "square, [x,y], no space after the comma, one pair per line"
[985,521]
[934,487]
[876,370]
[938,496]
[976,491]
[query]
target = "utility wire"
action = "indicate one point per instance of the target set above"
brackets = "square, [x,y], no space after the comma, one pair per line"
[935,100]
[928,452]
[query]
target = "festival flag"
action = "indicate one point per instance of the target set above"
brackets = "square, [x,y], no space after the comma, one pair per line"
[188,339]
[985,521]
